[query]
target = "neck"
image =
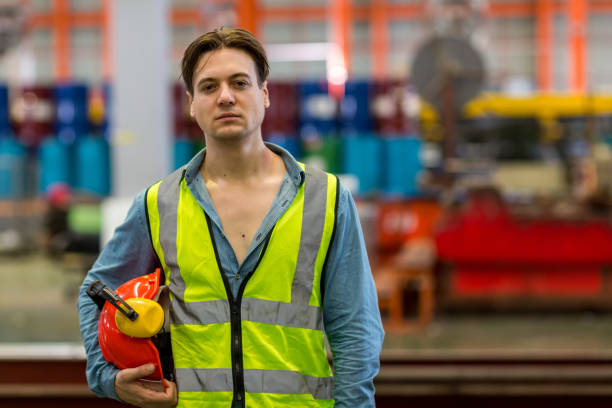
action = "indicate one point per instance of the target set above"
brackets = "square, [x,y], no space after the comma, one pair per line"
[234,161]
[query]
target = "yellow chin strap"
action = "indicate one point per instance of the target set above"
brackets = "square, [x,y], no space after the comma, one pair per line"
[149,322]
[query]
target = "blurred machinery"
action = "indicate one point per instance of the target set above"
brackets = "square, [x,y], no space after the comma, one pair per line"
[448,72]
[529,209]
[526,183]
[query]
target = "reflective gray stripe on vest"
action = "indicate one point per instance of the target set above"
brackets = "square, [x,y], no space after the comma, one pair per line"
[208,312]
[262,381]
[167,205]
[254,310]
[204,380]
[313,222]
[282,314]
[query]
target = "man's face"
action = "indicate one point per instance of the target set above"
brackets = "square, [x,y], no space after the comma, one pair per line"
[227,102]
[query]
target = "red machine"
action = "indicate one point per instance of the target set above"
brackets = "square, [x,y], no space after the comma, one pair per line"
[495,257]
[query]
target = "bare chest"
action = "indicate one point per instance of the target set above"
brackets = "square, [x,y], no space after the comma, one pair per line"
[241,211]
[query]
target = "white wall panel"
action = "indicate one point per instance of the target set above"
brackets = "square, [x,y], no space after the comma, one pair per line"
[560,57]
[40,6]
[85,5]
[293,3]
[182,36]
[85,53]
[273,33]
[141,109]
[360,58]
[599,53]
[405,37]
[510,51]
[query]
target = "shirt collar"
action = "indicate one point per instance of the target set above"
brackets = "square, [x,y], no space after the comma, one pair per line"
[294,170]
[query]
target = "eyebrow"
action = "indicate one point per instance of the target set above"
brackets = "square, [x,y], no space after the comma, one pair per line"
[234,76]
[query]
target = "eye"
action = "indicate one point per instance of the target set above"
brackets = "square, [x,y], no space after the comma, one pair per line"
[207,88]
[241,84]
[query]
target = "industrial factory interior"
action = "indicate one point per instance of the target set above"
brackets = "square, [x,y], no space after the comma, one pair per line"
[473,136]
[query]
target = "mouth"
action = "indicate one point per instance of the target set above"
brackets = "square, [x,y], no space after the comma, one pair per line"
[227,116]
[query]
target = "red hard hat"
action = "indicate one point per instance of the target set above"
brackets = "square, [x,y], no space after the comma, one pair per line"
[123,350]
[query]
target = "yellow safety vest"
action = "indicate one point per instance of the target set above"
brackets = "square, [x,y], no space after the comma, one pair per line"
[264,348]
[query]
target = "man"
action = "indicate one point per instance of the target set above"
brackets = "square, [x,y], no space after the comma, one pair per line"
[260,254]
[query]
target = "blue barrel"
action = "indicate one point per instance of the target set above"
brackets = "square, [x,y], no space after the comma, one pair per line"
[93,166]
[184,150]
[71,104]
[355,108]
[13,169]
[318,110]
[361,156]
[54,163]
[402,166]
[5,125]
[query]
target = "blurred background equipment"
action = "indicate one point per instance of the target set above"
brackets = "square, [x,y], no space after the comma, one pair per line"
[448,65]
[474,135]
[448,72]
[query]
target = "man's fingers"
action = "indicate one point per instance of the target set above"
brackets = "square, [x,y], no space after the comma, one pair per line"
[152,385]
[170,391]
[164,395]
[132,387]
[131,374]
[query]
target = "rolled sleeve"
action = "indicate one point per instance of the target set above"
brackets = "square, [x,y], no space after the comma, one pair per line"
[350,311]
[128,254]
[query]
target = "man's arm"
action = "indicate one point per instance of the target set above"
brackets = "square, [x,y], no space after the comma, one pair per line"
[129,254]
[350,311]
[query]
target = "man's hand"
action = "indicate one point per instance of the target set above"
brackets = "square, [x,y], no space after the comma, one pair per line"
[131,388]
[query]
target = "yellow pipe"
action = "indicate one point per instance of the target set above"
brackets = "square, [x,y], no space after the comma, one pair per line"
[541,106]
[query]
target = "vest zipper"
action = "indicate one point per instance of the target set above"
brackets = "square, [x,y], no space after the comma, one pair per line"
[237,364]
[236,318]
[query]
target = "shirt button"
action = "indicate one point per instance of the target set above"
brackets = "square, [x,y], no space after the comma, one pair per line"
[237,276]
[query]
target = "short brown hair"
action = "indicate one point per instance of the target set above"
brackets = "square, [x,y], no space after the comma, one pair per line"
[224,38]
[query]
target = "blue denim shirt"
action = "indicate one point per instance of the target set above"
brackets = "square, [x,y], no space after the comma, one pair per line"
[350,309]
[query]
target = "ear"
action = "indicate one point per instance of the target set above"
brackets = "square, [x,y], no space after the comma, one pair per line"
[264,88]
[190,99]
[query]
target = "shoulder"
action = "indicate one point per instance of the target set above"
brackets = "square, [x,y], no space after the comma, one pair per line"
[163,186]
[345,201]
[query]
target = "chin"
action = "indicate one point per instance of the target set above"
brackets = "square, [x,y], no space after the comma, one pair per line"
[229,136]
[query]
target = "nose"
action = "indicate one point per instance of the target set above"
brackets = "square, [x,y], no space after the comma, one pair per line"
[226,96]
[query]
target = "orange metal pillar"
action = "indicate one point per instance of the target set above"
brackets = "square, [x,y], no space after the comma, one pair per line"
[338,57]
[107,59]
[577,24]
[341,27]
[246,12]
[544,43]
[380,38]
[61,39]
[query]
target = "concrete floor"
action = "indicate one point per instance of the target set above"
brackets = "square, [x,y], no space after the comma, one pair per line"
[38,304]
[533,333]
[38,300]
